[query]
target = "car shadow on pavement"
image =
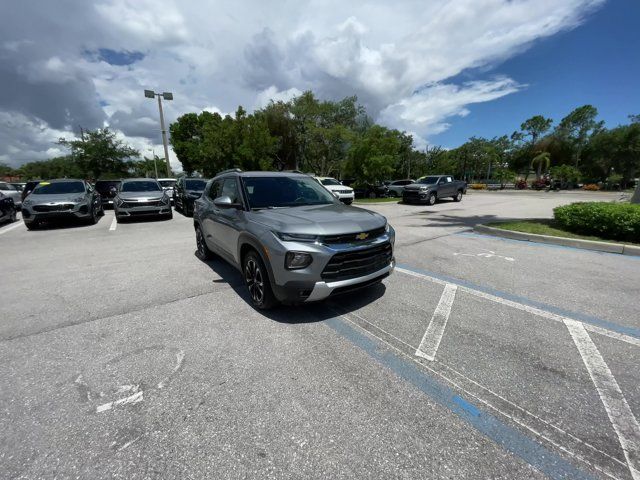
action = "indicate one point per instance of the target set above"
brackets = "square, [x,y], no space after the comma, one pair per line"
[302,313]
[460,221]
[141,219]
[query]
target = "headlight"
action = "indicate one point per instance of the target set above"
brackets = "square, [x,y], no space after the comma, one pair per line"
[297,260]
[164,199]
[296,237]
[78,200]
[386,227]
[118,201]
[27,202]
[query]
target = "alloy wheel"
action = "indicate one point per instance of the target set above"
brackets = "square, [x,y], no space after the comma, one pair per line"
[255,283]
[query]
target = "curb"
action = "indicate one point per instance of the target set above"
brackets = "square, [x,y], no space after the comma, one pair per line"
[566,242]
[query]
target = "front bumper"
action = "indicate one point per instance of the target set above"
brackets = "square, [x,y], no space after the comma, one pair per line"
[413,196]
[322,290]
[328,273]
[65,210]
[143,211]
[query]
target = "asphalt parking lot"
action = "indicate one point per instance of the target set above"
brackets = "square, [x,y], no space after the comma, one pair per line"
[126,356]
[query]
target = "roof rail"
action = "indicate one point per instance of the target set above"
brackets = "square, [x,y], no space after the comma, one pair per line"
[229,170]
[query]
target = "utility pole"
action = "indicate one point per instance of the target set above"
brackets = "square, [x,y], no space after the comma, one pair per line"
[166,96]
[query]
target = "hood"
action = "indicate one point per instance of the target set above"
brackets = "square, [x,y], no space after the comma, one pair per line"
[153,195]
[57,198]
[331,219]
[418,186]
[333,188]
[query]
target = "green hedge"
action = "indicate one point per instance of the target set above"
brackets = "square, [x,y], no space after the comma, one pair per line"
[614,221]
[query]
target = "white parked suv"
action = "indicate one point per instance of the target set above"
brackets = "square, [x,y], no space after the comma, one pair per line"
[344,194]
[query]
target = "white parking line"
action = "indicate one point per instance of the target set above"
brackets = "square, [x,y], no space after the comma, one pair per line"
[10,227]
[432,337]
[527,308]
[620,415]
[114,224]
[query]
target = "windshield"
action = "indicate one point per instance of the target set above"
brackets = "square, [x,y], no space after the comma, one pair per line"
[140,186]
[46,188]
[106,185]
[195,185]
[429,180]
[280,191]
[330,181]
[167,183]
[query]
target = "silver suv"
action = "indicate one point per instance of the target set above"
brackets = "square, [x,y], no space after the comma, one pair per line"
[292,240]
[62,198]
[141,197]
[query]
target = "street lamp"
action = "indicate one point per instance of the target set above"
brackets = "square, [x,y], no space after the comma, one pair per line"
[166,96]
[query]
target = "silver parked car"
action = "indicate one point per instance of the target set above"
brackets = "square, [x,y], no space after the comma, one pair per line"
[10,191]
[292,240]
[141,197]
[397,187]
[59,199]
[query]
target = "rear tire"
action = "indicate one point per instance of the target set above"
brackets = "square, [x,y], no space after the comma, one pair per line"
[203,251]
[458,196]
[256,278]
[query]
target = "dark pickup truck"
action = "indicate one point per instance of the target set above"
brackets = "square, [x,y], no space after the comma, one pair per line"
[433,187]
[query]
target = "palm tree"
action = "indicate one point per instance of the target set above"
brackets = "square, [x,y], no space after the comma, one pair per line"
[541,159]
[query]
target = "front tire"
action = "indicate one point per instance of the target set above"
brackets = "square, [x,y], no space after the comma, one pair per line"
[257,281]
[203,251]
[13,216]
[432,199]
[32,225]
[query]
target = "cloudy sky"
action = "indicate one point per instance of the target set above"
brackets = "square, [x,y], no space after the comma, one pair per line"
[423,66]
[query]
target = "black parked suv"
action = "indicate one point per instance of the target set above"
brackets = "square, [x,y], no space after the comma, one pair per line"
[186,191]
[107,190]
[7,209]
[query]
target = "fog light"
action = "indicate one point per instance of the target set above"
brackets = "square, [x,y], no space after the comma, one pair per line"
[297,260]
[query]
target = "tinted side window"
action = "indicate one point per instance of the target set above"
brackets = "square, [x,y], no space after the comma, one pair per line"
[230,189]
[214,191]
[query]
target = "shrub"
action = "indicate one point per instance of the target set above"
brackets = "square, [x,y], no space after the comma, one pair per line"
[478,186]
[614,221]
[591,187]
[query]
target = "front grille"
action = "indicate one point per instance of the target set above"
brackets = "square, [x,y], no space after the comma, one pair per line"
[140,204]
[411,193]
[357,263]
[344,191]
[53,208]
[352,237]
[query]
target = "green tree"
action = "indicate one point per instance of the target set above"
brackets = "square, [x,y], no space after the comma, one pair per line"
[577,128]
[373,156]
[533,129]
[99,152]
[504,175]
[565,173]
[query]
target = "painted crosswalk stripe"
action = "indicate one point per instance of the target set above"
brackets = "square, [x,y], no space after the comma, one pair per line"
[432,337]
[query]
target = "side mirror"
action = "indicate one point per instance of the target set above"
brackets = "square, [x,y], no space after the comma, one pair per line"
[224,202]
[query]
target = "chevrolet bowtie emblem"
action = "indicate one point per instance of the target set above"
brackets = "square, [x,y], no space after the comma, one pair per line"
[362,236]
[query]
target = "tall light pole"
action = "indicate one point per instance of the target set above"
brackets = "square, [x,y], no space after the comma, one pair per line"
[166,96]
[155,164]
